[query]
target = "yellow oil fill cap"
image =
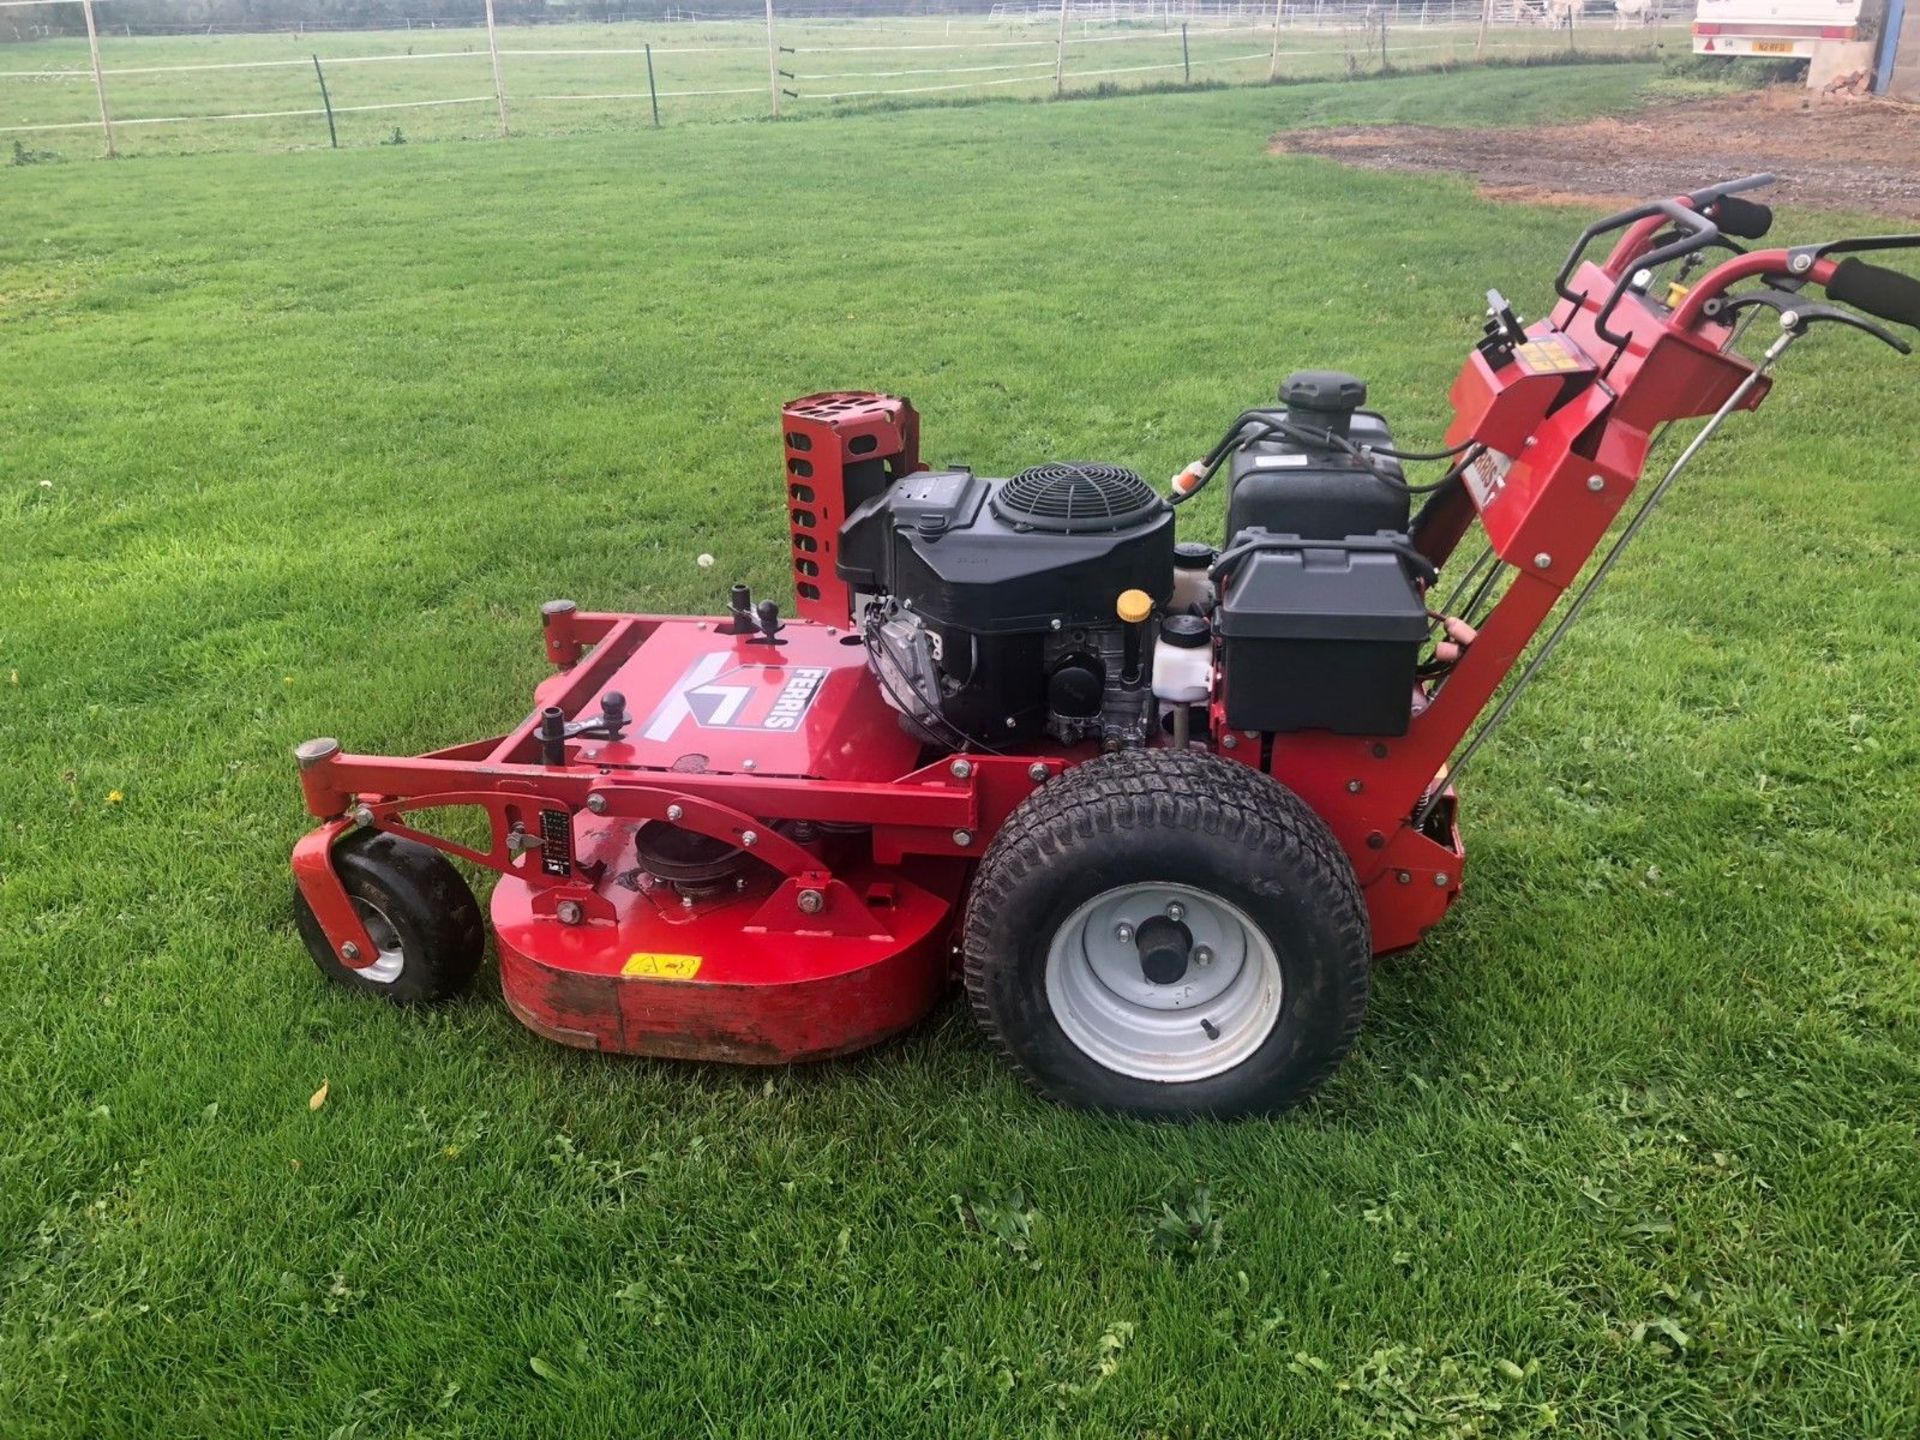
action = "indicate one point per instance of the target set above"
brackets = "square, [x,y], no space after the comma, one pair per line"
[1133,606]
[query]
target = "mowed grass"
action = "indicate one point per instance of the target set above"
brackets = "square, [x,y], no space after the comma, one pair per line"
[437,84]
[295,445]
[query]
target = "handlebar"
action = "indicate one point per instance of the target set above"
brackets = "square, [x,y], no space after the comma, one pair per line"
[1697,233]
[1735,217]
[1876,290]
[1748,219]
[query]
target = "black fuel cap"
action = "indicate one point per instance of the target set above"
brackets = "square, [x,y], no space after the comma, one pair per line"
[1332,392]
[1185,632]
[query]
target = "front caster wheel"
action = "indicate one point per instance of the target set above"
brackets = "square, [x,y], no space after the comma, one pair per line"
[418,912]
[1168,934]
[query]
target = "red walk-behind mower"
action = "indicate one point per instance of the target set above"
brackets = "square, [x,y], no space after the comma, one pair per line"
[1158,805]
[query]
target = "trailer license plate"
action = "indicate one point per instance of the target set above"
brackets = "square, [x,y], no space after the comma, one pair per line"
[1773,47]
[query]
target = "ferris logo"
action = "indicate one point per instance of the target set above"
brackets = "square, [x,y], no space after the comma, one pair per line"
[718,694]
[1487,476]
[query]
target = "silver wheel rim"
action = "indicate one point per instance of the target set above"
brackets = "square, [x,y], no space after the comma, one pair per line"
[1203,1024]
[390,959]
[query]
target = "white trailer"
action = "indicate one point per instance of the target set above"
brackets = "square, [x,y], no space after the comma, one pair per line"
[1779,28]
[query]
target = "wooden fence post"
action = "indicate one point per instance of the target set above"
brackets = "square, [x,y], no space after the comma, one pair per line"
[773,62]
[499,89]
[1060,55]
[99,80]
[1273,61]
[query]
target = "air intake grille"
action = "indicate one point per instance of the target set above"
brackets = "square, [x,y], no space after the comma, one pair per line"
[1074,495]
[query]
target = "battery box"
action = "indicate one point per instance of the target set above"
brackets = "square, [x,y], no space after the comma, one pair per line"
[1320,634]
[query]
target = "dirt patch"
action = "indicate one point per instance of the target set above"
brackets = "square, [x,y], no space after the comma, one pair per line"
[1830,154]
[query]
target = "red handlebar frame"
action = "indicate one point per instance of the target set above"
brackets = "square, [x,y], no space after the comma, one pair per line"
[1742,267]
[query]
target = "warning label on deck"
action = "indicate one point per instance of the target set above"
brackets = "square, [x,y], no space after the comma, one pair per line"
[653,965]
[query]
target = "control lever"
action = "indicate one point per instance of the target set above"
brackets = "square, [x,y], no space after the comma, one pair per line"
[1503,332]
[1799,313]
[767,618]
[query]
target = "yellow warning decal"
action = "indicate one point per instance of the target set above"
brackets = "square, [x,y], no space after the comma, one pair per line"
[1549,356]
[662,967]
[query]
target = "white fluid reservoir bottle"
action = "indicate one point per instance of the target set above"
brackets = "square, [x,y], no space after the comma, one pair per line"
[1193,592]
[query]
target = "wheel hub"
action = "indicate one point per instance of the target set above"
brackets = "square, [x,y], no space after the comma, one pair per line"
[1165,948]
[1163,982]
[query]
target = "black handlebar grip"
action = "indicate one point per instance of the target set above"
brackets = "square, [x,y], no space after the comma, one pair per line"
[1886,293]
[1748,219]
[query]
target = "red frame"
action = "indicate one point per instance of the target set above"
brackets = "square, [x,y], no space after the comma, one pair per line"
[1572,411]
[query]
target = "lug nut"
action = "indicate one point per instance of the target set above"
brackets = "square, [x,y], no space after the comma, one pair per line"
[1202,955]
[570,912]
[674,812]
[961,768]
[812,902]
[597,804]
[1123,933]
[1176,911]
[349,951]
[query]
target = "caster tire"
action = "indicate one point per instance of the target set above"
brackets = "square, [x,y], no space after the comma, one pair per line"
[1168,935]
[417,910]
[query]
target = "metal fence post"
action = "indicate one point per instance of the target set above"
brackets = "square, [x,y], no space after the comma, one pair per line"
[652,93]
[1186,60]
[773,62]
[499,90]
[99,80]
[1060,55]
[333,136]
[1273,61]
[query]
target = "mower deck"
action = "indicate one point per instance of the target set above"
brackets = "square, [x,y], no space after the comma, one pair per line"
[711,980]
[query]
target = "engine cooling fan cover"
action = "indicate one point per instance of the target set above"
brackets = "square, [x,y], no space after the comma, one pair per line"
[1075,497]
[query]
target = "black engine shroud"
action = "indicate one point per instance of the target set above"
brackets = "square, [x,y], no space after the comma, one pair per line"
[1015,580]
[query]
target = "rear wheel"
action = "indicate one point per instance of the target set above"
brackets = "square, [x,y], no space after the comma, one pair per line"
[426,926]
[1168,934]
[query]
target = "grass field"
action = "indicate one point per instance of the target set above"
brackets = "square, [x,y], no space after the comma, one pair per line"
[705,72]
[295,445]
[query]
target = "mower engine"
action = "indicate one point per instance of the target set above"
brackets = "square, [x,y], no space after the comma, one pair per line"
[988,606]
[1003,612]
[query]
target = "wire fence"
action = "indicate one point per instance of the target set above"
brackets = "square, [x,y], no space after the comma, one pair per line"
[117,87]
